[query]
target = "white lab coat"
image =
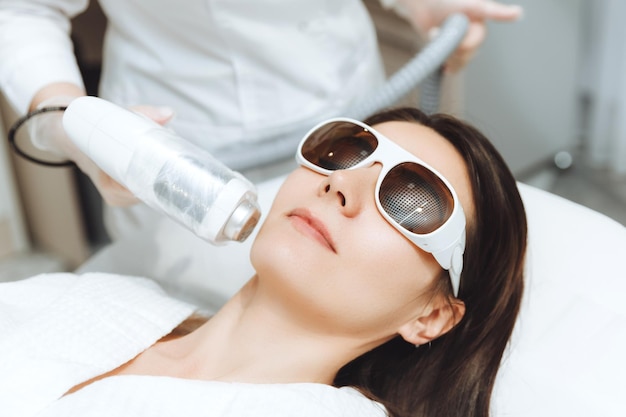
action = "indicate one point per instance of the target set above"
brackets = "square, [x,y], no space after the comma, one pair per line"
[59,330]
[234,70]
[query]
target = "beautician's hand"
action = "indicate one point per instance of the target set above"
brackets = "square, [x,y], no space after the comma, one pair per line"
[427,15]
[47,133]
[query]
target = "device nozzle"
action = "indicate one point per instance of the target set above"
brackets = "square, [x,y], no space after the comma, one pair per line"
[243,221]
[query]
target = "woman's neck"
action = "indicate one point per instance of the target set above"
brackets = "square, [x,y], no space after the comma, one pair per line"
[252,340]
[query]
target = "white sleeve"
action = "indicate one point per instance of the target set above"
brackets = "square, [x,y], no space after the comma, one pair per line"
[35,47]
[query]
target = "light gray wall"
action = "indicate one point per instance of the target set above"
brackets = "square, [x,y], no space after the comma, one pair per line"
[522,89]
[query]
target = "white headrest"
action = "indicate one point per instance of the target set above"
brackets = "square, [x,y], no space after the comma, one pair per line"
[567,355]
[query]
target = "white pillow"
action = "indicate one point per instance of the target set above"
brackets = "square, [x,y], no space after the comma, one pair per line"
[567,356]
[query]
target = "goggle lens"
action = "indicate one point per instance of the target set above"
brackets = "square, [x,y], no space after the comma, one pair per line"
[339,145]
[415,198]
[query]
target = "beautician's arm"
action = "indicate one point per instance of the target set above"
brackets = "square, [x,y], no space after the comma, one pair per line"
[50,91]
[37,51]
[426,15]
[39,68]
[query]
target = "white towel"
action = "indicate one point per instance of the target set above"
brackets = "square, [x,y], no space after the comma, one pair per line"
[59,330]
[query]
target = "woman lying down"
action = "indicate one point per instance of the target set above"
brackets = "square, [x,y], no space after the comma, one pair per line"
[389,273]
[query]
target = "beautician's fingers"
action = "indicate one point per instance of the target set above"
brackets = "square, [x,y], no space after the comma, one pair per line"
[476,34]
[489,10]
[427,15]
[479,11]
[112,192]
[159,114]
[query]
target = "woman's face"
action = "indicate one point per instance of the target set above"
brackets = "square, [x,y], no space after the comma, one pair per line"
[330,257]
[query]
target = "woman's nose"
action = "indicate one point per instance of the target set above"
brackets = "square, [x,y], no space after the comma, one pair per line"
[351,189]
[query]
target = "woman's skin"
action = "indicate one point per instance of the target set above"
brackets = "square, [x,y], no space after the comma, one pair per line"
[334,280]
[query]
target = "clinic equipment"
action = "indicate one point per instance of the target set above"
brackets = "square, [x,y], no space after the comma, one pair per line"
[163,170]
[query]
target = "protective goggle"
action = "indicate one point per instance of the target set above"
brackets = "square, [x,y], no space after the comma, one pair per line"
[418,201]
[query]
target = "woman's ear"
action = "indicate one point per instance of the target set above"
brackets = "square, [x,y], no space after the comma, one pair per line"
[441,315]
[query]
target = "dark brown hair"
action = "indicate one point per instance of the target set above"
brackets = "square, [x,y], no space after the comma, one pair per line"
[455,374]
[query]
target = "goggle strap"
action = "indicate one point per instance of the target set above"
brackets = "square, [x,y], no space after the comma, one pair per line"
[451,259]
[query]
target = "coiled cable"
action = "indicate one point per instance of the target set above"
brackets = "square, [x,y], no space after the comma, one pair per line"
[428,61]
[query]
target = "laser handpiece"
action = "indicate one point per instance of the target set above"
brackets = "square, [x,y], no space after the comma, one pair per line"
[163,170]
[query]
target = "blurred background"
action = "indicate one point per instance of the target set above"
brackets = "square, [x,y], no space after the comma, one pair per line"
[549,90]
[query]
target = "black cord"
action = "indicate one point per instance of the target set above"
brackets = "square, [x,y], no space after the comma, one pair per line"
[20,152]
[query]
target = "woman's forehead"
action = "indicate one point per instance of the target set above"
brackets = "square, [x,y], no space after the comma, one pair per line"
[436,151]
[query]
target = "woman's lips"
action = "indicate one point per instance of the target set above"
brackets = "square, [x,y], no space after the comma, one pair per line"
[306,223]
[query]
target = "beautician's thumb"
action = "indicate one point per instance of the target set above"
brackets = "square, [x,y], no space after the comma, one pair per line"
[493,10]
[159,114]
